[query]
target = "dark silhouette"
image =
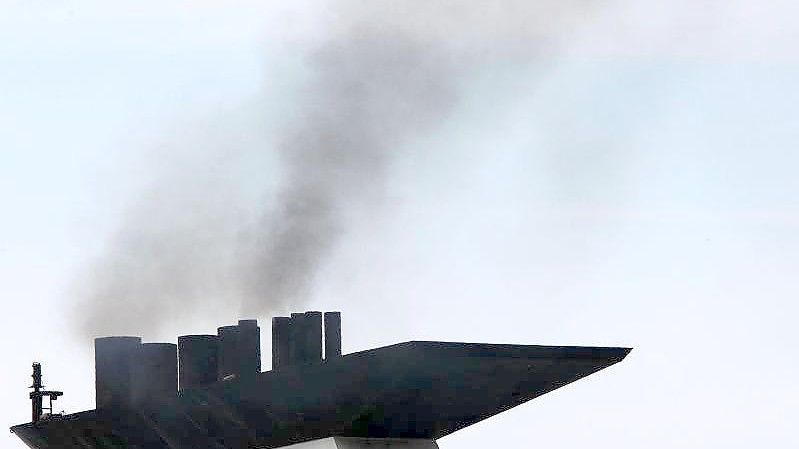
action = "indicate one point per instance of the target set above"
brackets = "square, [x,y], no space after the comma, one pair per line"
[417,389]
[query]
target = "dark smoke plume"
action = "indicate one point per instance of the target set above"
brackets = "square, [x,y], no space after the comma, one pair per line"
[369,94]
[199,242]
[180,248]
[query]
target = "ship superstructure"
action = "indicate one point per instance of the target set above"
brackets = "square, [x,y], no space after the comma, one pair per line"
[208,391]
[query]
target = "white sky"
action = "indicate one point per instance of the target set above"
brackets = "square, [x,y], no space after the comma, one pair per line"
[635,186]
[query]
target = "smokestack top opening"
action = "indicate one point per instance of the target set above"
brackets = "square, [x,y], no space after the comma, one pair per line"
[163,346]
[198,337]
[119,338]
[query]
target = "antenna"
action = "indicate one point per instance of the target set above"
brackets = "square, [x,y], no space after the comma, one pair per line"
[37,408]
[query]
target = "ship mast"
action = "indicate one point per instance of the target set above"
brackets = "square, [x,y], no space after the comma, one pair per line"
[37,395]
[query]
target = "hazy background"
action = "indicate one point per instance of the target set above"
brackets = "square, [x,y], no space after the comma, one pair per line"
[593,173]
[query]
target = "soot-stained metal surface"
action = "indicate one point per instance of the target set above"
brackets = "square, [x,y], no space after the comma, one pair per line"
[416,389]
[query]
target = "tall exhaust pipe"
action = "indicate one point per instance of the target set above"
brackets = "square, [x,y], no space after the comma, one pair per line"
[113,361]
[313,336]
[249,347]
[297,339]
[239,350]
[198,359]
[154,374]
[228,351]
[332,335]
[280,341]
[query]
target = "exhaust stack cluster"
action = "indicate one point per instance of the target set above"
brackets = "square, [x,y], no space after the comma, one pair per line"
[132,374]
[299,338]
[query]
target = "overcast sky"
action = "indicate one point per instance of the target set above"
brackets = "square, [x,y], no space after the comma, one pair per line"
[602,173]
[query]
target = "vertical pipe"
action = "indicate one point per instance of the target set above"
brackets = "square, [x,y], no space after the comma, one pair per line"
[297,339]
[280,341]
[229,356]
[313,336]
[249,348]
[240,350]
[198,360]
[154,373]
[113,357]
[332,334]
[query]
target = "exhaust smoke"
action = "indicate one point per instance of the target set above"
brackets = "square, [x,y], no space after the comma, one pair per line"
[380,78]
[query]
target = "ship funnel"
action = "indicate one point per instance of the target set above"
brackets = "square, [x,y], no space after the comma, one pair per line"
[113,362]
[197,357]
[154,373]
[239,350]
[300,339]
